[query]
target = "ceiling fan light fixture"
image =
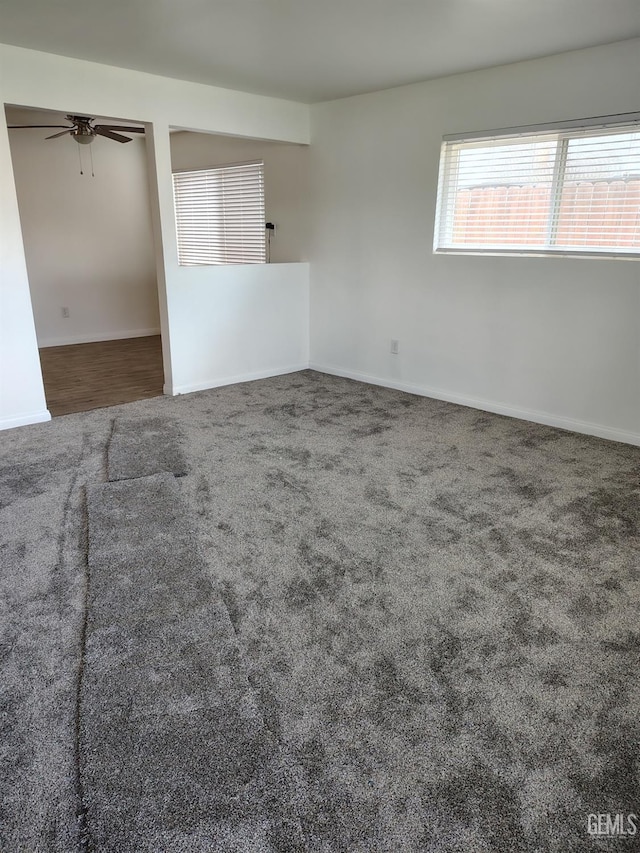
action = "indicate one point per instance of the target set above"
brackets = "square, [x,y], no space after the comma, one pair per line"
[82,137]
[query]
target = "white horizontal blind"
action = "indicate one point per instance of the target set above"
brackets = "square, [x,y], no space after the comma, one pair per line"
[220,217]
[569,191]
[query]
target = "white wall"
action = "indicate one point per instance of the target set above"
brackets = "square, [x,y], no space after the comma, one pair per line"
[553,340]
[88,240]
[236,326]
[286,182]
[40,80]
[21,392]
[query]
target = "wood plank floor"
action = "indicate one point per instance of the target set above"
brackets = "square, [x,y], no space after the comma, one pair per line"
[91,376]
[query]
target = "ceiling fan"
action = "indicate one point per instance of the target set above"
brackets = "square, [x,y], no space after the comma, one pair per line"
[84,132]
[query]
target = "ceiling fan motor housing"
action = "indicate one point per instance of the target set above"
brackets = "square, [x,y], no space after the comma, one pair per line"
[84,134]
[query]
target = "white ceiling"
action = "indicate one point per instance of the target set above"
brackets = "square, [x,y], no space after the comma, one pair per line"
[313,50]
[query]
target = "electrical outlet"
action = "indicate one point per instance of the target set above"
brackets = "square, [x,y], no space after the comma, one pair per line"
[395,346]
[65,312]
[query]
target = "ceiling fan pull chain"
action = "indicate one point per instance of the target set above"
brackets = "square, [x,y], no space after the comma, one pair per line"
[91,156]
[80,159]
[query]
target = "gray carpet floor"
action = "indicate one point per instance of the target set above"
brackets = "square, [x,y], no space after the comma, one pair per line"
[306,614]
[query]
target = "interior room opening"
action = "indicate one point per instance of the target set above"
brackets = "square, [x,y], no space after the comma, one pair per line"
[83,196]
[243,200]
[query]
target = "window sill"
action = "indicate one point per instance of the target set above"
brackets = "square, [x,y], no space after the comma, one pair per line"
[519,253]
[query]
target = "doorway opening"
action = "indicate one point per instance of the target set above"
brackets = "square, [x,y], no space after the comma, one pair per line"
[85,214]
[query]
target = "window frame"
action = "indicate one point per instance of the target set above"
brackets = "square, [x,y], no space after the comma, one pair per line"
[565,132]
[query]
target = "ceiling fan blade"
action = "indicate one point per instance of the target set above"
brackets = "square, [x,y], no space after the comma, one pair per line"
[118,138]
[19,126]
[63,133]
[119,127]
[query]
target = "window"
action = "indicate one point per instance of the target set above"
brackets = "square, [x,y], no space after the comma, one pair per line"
[220,215]
[570,189]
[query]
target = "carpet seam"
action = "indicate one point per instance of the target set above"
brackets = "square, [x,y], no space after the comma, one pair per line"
[86,845]
[107,447]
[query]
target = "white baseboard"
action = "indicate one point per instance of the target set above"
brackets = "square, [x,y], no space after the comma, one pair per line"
[24,420]
[610,433]
[234,380]
[94,337]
